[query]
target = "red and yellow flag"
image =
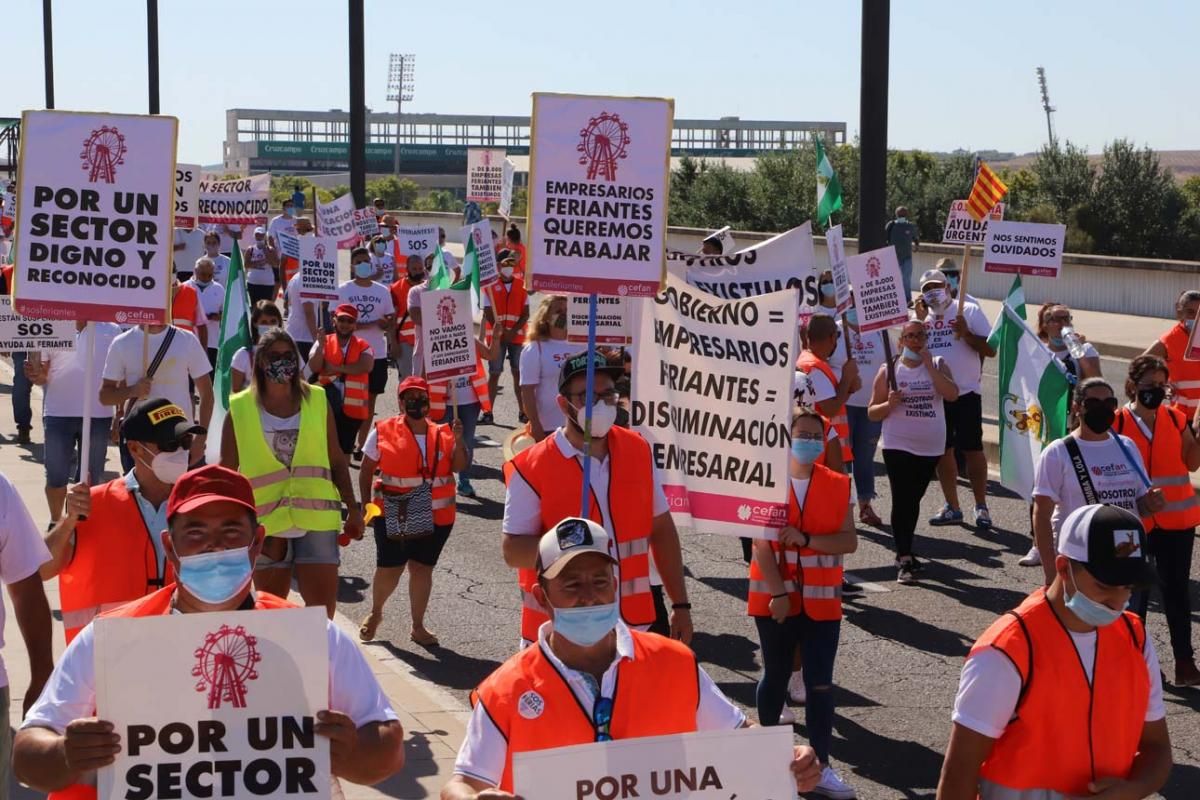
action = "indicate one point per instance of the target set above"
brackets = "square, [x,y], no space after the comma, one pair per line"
[987,191]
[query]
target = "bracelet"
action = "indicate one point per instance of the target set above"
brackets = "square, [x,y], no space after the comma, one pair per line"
[681,606]
[778,596]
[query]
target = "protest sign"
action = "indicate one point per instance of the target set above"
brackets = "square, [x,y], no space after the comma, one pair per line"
[785,261]
[712,394]
[26,335]
[598,180]
[223,704]
[93,231]
[318,267]
[419,240]
[237,201]
[484,174]
[187,194]
[878,289]
[612,319]
[1024,248]
[9,212]
[485,255]
[837,265]
[288,243]
[962,228]
[366,223]
[336,220]
[710,765]
[188,246]
[447,334]
[507,171]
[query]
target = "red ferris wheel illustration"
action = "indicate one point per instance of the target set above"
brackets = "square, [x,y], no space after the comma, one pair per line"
[601,144]
[103,152]
[224,663]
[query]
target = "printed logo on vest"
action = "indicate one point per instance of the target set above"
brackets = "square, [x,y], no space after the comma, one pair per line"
[531,705]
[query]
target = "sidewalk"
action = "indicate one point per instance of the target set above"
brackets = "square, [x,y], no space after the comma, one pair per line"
[1114,335]
[434,721]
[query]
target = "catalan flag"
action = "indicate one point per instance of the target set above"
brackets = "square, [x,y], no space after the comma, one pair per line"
[987,191]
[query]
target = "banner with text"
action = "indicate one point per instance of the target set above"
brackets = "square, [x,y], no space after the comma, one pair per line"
[93,230]
[26,335]
[837,265]
[785,261]
[8,207]
[244,689]
[447,334]
[612,319]
[237,201]
[1024,248]
[418,240]
[484,174]
[187,194]
[508,171]
[712,394]
[188,247]
[318,258]
[485,254]
[961,228]
[289,244]
[366,223]
[598,178]
[878,289]
[336,219]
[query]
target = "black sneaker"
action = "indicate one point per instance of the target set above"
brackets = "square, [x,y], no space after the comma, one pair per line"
[850,588]
[521,418]
[905,573]
[486,418]
[917,564]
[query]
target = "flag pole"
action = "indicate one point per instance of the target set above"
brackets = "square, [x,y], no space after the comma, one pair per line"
[89,369]
[962,282]
[589,395]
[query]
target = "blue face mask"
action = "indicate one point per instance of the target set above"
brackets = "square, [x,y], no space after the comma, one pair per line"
[217,577]
[1189,323]
[380,248]
[1088,610]
[586,625]
[852,315]
[363,269]
[910,354]
[827,290]
[952,282]
[806,451]
[1057,341]
[289,212]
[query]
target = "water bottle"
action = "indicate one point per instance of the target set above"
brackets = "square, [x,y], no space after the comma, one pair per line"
[1075,345]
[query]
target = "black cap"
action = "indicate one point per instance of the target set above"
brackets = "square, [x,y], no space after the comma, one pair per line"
[1110,542]
[578,364]
[504,254]
[159,421]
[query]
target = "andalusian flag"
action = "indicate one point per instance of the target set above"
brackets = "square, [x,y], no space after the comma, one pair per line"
[235,334]
[829,189]
[440,276]
[987,191]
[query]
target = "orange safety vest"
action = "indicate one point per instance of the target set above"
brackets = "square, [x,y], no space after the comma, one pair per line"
[356,397]
[533,707]
[1185,375]
[558,482]
[1065,732]
[812,580]
[156,605]
[440,390]
[401,469]
[290,267]
[508,305]
[184,307]
[407,332]
[519,269]
[114,559]
[1163,457]
[809,361]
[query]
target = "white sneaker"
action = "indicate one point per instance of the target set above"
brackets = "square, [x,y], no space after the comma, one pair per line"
[1032,559]
[787,716]
[796,690]
[832,786]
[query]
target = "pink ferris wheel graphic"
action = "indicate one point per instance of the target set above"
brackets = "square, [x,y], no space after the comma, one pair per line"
[103,152]
[224,663]
[601,144]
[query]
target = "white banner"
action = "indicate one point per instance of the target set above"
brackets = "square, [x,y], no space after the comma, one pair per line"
[785,261]
[93,230]
[366,223]
[418,240]
[878,289]
[962,228]
[751,763]
[598,180]
[26,335]
[244,689]
[612,319]
[1025,248]
[507,171]
[837,265]
[481,233]
[447,334]
[318,258]
[238,201]
[187,194]
[336,220]
[9,201]
[484,174]
[712,394]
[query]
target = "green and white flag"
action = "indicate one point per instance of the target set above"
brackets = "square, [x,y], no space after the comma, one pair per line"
[235,334]
[1034,394]
[829,188]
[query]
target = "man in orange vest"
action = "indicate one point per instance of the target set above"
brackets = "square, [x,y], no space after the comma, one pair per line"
[211,539]
[344,362]
[1170,347]
[1063,696]
[829,389]
[506,304]
[404,333]
[589,678]
[545,484]
[186,312]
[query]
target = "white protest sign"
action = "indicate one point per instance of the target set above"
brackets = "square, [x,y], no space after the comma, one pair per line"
[188,247]
[336,220]
[1024,248]
[447,334]
[418,240]
[712,394]
[485,255]
[837,265]
[25,335]
[507,171]
[598,179]
[785,261]
[962,228]
[187,194]
[612,319]
[366,223]
[221,704]
[93,230]
[237,201]
[753,763]
[484,174]
[878,289]
[289,244]
[318,258]
[9,211]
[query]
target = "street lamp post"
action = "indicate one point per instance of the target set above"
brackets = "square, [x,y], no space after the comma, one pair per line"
[400,90]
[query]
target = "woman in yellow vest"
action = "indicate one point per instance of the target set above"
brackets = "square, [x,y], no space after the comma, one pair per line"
[416,459]
[796,592]
[281,435]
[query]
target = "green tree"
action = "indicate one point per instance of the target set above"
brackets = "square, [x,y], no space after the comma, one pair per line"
[1136,204]
[397,193]
[1066,178]
[783,189]
[438,200]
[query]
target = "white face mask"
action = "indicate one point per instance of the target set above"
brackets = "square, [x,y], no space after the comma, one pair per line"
[169,467]
[604,417]
[506,273]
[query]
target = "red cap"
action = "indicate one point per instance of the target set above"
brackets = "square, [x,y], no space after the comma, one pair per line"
[412,382]
[346,310]
[211,484]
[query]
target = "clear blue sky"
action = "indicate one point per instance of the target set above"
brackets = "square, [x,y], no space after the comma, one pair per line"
[962,74]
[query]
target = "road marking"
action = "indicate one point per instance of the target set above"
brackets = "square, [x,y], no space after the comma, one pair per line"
[867,586]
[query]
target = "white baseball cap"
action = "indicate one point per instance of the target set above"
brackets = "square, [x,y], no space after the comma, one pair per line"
[571,537]
[933,276]
[1110,542]
[260,231]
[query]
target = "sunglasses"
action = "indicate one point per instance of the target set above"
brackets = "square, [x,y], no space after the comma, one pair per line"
[184,441]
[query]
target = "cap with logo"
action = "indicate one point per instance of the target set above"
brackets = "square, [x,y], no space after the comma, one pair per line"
[346,310]
[158,421]
[572,537]
[1110,542]
[211,484]
[933,276]
[578,364]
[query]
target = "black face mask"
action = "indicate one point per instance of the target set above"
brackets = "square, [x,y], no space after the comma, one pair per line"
[1152,397]
[415,409]
[1099,418]
[560,321]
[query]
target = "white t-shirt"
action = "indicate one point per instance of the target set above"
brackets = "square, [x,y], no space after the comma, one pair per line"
[965,363]
[1114,478]
[281,223]
[1089,351]
[414,302]
[374,302]
[22,550]
[813,387]
[918,424]
[212,301]
[258,271]
[385,268]
[539,366]
[484,750]
[296,325]
[192,241]
[185,358]
[990,686]
[241,362]
[64,392]
[869,355]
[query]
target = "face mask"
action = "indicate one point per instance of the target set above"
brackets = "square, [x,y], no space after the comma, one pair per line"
[952,282]
[506,274]
[363,269]
[203,284]
[380,248]
[910,354]
[281,370]
[1189,323]
[262,329]
[1058,341]
[827,290]
[852,316]
[806,451]
[260,241]
[289,212]
[604,417]
[385,232]
[1099,419]
[586,625]
[1088,610]
[169,467]
[936,299]
[1153,397]
[415,409]
[418,277]
[218,577]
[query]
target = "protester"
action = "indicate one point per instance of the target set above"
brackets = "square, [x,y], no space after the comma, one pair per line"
[210,516]
[512,242]
[914,431]
[467,404]
[212,302]
[447,256]
[868,352]
[280,433]
[542,356]
[902,235]
[1052,319]
[827,307]
[303,317]
[949,267]
[405,331]
[380,209]
[263,318]
[298,198]
[262,268]
[505,306]
[415,458]
[376,315]
[829,389]
[597,679]
[212,251]
[382,262]
[22,388]
[795,593]
[1168,447]
[283,223]
[343,363]
[1171,347]
[1040,714]
[187,312]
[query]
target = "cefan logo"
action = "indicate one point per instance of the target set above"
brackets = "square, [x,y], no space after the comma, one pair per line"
[744,512]
[602,143]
